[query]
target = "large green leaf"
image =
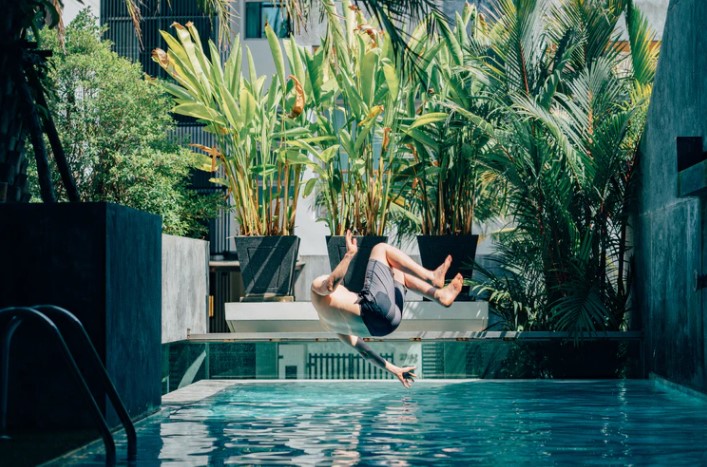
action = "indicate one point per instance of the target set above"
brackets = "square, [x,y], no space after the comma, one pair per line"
[276,51]
[426,119]
[195,56]
[392,79]
[232,68]
[199,111]
[453,46]
[369,74]
[422,137]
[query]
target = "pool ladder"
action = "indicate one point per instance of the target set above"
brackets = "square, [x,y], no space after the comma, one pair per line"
[60,322]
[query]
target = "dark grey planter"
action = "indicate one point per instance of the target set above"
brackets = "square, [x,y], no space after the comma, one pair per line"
[336,247]
[435,248]
[268,265]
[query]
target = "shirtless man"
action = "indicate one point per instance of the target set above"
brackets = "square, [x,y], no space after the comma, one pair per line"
[377,309]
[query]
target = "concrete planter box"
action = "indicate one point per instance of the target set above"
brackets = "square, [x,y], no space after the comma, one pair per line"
[267,265]
[435,248]
[336,247]
[102,262]
[185,287]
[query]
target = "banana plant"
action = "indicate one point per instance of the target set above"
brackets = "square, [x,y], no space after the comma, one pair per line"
[452,186]
[253,124]
[361,165]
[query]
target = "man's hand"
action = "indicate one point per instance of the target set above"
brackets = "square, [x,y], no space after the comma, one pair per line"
[351,244]
[405,375]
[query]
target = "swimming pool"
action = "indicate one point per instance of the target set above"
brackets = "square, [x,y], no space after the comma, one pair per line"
[380,423]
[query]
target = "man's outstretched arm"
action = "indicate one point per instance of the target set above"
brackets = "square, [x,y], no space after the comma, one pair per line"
[404,375]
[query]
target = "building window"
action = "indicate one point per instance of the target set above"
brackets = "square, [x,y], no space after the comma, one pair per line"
[258,14]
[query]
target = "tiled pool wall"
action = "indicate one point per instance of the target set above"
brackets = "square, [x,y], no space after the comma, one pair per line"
[186,362]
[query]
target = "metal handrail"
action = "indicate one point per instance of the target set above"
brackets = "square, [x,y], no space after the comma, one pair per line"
[15,316]
[65,319]
[6,334]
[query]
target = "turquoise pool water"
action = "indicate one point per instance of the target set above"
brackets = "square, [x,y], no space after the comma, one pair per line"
[539,422]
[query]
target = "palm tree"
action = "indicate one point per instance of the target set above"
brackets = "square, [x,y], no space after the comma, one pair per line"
[570,108]
[24,112]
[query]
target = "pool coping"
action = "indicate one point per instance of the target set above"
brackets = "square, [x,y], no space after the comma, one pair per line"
[197,391]
[426,336]
[677,387]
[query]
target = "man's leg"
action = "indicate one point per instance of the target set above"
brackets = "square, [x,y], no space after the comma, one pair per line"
[444,296]
[399,260]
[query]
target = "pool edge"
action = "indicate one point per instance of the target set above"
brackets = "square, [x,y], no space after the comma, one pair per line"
[667,384]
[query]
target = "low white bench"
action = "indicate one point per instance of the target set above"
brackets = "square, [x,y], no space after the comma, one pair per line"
[299,320]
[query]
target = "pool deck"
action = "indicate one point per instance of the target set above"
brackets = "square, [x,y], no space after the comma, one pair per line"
[197,391]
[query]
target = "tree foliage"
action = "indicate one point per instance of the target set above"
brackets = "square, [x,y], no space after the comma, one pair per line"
[114,126]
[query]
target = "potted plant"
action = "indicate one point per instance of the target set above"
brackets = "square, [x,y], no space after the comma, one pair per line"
[254,125]
[452,187]
[358,181]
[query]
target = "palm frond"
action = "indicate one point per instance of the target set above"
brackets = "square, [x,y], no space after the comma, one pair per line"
[223,11]
[518,42]
[392,16]
[133,7]
[644,53]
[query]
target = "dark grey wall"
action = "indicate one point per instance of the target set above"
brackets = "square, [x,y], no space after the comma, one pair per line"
[670,230]
[103,263]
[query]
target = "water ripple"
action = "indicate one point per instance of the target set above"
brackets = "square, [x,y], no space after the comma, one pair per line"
[485,422]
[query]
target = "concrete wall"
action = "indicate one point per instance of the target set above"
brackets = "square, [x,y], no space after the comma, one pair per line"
[670,230]
[185,287]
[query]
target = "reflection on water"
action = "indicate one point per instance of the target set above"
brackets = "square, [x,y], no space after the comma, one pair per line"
[525,422]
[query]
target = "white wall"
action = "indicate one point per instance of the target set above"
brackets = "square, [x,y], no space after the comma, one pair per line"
[655,12]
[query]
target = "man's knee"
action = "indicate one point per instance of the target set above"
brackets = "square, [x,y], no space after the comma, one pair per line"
[398,276]
[379,251]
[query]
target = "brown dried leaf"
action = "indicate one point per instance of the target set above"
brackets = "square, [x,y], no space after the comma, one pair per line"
[161,57]
[298,106]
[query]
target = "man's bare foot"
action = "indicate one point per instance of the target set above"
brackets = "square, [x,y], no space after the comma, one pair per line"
[446,295]
[439,273]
